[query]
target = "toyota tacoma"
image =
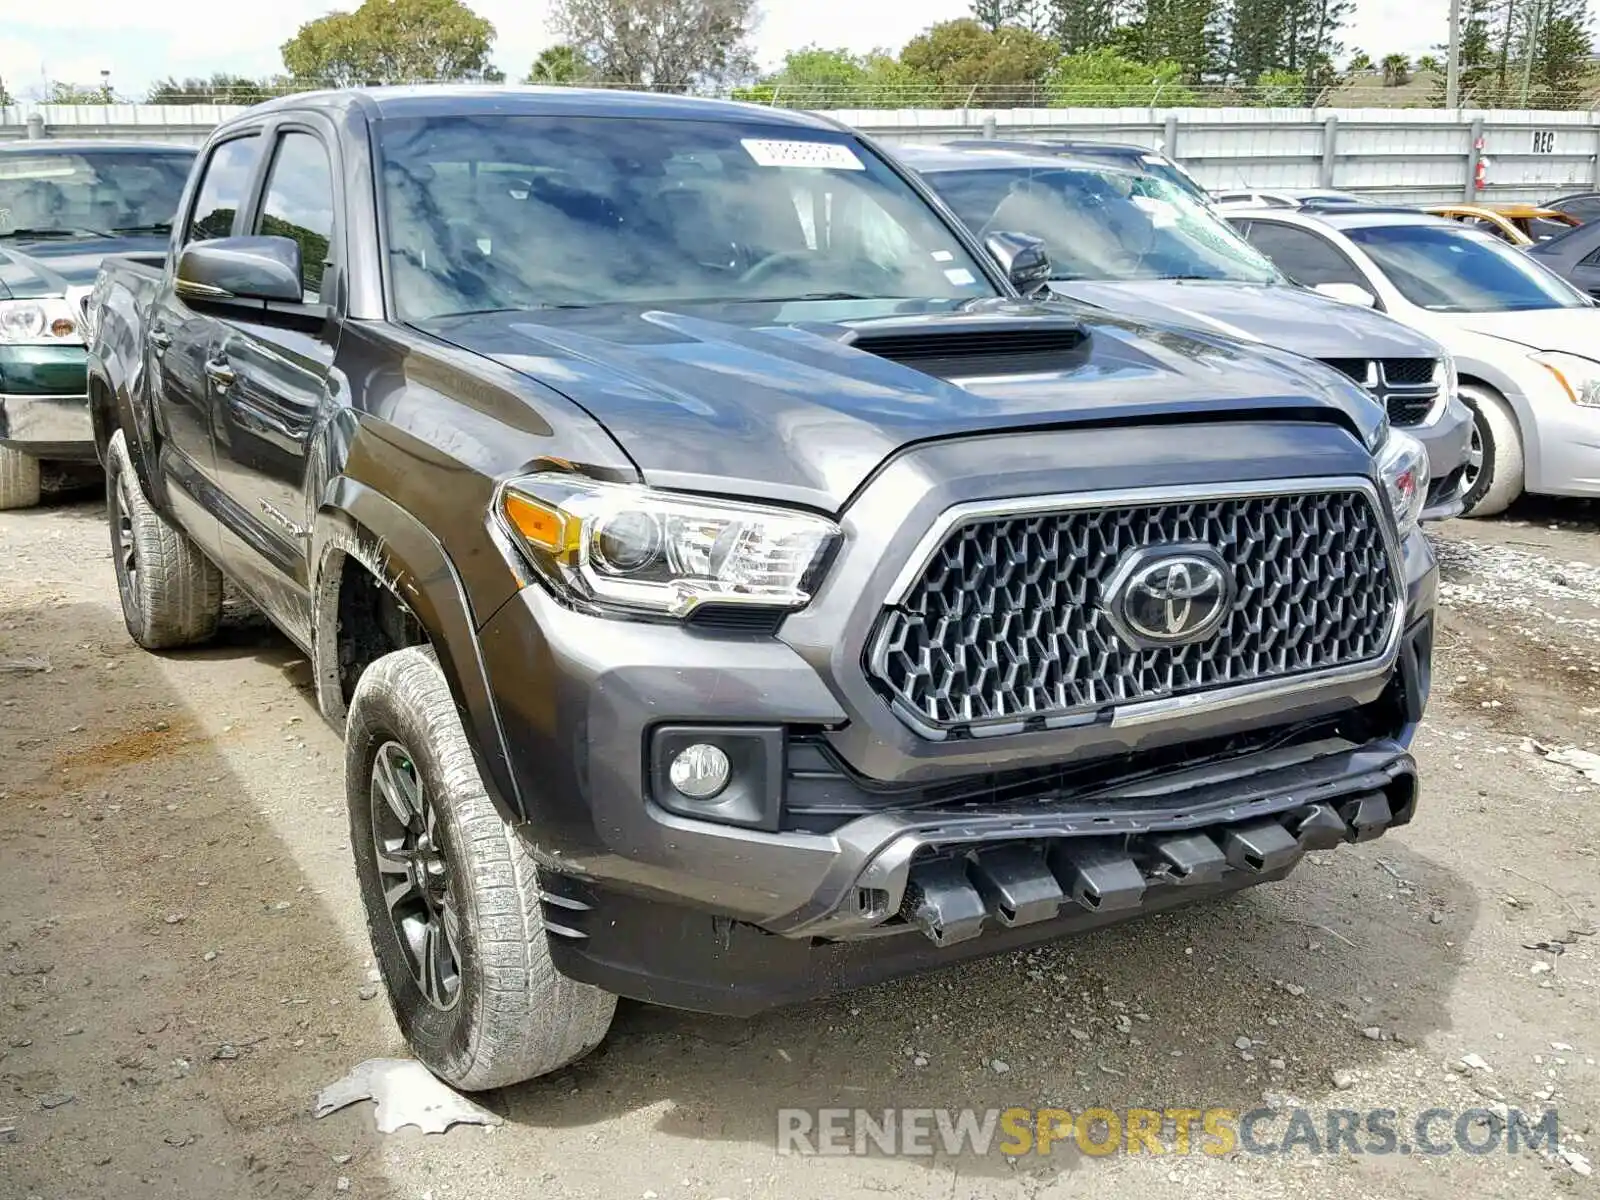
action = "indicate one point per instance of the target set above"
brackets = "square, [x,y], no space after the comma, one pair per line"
[731,586]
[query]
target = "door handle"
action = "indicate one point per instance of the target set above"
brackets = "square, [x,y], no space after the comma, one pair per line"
[160,339]
[220,374]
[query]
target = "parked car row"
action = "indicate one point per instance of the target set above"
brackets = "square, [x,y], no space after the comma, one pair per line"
[737,578]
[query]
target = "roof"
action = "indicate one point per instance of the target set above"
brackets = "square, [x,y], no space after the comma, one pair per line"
[1294,193]
[1356,216]
[1052,145]
[436,100]
[1518,212]
[89,146]
[938,159]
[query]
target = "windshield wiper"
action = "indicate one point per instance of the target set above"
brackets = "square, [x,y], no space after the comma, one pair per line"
[153,227]
[43,234]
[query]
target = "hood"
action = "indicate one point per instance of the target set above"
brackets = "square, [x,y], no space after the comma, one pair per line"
[48,267]
[1281,315]
[1572,330]
[741,400]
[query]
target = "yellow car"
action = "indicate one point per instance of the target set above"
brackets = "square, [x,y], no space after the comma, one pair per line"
[1519,224]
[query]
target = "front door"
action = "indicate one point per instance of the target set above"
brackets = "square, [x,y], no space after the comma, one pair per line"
[272,393]
[183,340]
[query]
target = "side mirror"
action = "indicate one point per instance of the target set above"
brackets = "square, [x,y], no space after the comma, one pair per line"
[240,268]
[1022,257]
[1347,293]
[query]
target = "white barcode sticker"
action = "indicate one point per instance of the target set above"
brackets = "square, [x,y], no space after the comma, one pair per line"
[833,156]
[960,276]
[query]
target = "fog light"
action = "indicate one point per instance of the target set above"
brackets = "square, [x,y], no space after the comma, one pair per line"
[699,771]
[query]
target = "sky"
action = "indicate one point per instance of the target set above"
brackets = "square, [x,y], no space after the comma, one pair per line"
[140,41]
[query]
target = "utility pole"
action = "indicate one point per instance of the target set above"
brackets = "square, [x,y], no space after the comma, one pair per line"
[1530,47]
[1452,70]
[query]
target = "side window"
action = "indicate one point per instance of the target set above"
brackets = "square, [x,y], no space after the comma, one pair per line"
[1303,256]
[299,205]
[222,190]
[1591,259]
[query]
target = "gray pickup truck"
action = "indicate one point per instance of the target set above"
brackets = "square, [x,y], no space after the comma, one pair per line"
[730,587]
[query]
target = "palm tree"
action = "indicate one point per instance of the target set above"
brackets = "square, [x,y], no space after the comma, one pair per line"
[1396,70]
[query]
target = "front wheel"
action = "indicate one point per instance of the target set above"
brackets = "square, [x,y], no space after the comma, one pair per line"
[451,894]
[1494,471]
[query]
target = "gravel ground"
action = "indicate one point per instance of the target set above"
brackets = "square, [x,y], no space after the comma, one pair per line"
[185,964]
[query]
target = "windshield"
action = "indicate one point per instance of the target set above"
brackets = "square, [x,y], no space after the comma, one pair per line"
[1106,224]
[1164,168]
[1446,268]
[517,212]
[90,192]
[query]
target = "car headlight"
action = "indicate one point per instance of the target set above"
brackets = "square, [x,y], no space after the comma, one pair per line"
[51,321]
[1449,381]
[1403,468]
[632,548]
[1579,377]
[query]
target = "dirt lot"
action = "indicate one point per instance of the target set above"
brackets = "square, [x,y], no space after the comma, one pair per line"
[185,963]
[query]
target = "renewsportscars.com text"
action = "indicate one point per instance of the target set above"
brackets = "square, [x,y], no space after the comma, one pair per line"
[1177,1131]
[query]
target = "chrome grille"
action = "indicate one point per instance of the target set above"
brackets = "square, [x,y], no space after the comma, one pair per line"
[1006,627]
[1404,386]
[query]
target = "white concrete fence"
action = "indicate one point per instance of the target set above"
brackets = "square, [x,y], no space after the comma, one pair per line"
[1411,155]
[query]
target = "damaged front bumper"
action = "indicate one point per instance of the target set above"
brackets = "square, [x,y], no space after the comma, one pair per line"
[939,892]
[915,889]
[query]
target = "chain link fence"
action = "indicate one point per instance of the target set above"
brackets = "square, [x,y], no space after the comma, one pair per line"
[1421,91]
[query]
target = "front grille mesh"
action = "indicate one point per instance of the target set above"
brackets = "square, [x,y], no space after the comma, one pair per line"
[1404,386]
[1007,624]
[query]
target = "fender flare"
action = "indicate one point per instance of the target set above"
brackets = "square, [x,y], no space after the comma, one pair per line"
[356,522]
[111,408]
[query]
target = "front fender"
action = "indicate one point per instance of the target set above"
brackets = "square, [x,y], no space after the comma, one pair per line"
[1488,371]
[357,522]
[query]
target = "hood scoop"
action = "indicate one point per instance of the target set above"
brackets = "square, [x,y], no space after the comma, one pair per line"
[997,348]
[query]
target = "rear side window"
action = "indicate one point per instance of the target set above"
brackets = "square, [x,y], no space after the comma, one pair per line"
[299,206]
[1303,256]
[223,188]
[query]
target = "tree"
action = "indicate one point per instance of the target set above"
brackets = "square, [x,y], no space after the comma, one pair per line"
[1187,32]
[561,65]
[818,78]
[221,88]
[997,67]
[1105,79]
[71,93]
[392,41]
[992,14]
[1360,64]
[1560,55]
[1079,25]
[5,97]
[1429,63]
[671,45]
[1396,70]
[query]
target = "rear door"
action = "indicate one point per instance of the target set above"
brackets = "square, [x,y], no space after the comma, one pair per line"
[276,361]
[182,339]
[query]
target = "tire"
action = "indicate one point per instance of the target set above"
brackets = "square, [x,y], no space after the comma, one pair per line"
[19,479]
[511,1015]
[1495,479]
[171,592]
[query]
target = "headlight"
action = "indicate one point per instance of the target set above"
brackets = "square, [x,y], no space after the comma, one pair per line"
[1578,377]
[1403,467]
[52,321]
[1449,381]
[629,547]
